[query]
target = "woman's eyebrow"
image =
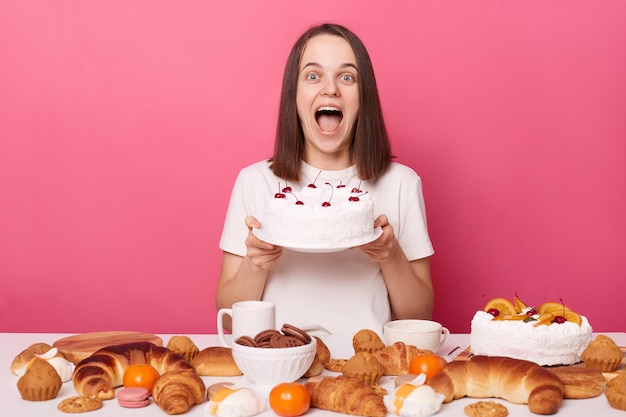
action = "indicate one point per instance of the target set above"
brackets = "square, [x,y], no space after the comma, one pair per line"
[317,65]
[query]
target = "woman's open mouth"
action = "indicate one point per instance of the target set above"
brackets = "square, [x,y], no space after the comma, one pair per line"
[328,118]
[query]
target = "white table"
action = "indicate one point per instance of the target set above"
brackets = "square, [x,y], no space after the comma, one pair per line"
[12,405]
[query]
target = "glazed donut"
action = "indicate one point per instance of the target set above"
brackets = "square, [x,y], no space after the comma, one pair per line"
[99,374]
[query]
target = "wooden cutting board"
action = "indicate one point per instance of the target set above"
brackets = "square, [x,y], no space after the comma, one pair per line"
[79,346]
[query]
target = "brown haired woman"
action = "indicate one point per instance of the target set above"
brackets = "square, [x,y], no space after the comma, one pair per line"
[345,291]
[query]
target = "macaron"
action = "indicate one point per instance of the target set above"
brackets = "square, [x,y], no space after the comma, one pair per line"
[133,397]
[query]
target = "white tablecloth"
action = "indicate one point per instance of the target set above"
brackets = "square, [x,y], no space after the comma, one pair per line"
[12,405]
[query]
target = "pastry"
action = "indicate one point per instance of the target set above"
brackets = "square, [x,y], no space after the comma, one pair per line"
[413,399]
[27,354]
[184,346]
[133,397]
[486,409]
[100,373]
[175,392]
[616,392]
[397,357]
[63,367]
[80,404]
[216,361]
[515,380]
[367,340]
[365,367]
[322,356]
[602,354]
[235,402]
[579,381]
[41,382]
[344,394]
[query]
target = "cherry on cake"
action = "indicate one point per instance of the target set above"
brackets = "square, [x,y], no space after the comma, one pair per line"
[319,216]
[551,334]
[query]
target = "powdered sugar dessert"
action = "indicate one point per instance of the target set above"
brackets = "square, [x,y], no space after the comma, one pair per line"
[549,335]
[324,216]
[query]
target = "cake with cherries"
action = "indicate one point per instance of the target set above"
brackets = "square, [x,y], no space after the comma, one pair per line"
[318,217]
[551,334]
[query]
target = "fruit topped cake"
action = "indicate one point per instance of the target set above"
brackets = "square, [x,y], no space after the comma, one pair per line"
[319,216]
[551,334]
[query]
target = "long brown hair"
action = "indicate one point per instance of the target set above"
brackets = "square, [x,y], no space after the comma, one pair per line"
[370,149]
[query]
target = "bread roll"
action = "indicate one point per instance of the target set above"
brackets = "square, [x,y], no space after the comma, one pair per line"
[216,361]
[515,380]
[98,374]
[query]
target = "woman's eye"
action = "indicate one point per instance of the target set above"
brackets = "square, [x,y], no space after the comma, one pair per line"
[312,77]
[347,78]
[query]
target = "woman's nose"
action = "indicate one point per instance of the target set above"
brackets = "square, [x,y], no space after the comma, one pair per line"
[331,88]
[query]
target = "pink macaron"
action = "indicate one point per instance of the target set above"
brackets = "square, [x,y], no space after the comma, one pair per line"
[133,397]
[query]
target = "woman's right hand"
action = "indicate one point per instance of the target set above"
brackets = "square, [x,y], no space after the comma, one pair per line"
[262,255]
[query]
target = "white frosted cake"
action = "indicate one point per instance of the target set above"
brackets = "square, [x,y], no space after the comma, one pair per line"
[319,217]
[552,343]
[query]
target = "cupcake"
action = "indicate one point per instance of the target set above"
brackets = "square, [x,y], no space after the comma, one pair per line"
[616,392]
[414,399]
[365,367]
[184,346]
[64,368]
[366,340]
[41,382]
[235,402]
[27,354]
[602,354]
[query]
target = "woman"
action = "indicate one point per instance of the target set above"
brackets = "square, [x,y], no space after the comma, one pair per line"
[330,124]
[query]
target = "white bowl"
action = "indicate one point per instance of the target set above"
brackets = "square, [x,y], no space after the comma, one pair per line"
[271,366]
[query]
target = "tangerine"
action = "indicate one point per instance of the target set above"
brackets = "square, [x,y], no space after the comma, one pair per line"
[289,399]
[140,375]
[429,365]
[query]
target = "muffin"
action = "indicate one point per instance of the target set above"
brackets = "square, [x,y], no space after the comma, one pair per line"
[365,367]
[616,392]
[602,354]
[184,346]
[41,382]
[366,340]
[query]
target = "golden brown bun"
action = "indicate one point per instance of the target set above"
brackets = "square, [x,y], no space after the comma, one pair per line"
[602,354]
[98,374]
[397,357]
[27,354]
[365,367]
[580,381]
[322,356]
[184,346]
[616,392]
[367,340]
[345,394]
[41,382]
[216,361]
[515,380]
[177,391]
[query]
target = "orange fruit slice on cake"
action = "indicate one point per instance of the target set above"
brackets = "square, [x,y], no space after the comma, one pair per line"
[504,306]
[553,307]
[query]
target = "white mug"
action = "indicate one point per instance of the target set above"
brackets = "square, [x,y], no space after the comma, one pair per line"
[423,334]
[248,319]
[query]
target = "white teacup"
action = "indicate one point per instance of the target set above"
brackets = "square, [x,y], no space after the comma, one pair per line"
[248,319]
[423,334]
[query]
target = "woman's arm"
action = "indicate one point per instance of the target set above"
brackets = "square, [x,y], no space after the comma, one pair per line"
[243,278]
[409,283]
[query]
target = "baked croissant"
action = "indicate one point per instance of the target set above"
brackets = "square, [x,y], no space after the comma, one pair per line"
[98,374]
[395,358]
[346,395]
[514,380]
[177,391]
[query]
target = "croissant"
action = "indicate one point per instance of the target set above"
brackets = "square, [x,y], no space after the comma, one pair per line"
[396,357]
[346,395]
[515,380]
[177,391]
[98,374]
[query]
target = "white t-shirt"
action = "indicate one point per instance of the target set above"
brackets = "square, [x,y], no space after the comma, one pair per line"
[339,292]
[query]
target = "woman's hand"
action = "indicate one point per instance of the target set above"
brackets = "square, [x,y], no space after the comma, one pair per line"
[261,254]
[383,247]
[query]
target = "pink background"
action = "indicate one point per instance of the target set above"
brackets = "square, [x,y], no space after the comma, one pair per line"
[124,123]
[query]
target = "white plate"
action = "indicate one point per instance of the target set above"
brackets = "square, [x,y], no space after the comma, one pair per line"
[261,234]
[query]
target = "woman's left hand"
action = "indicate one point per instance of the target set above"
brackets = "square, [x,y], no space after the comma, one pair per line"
[382,248]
